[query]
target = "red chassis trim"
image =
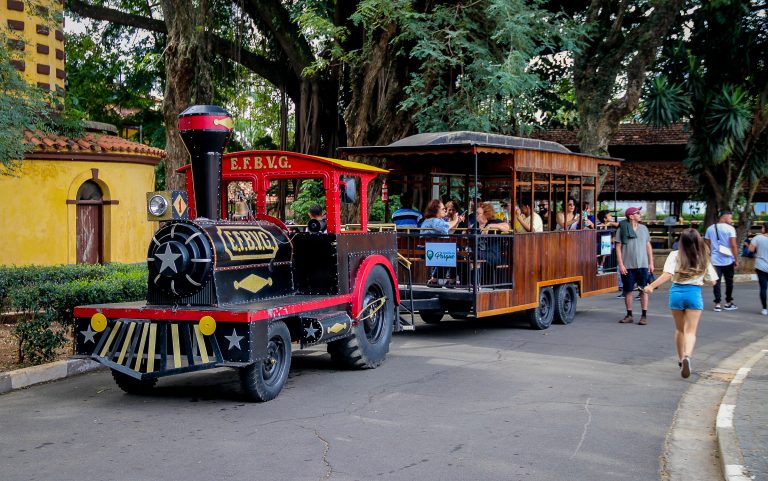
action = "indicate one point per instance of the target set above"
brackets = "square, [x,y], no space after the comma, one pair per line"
[232,314]
[362,275]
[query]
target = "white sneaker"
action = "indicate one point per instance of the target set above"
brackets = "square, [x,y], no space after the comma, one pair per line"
[764,312]
[730,307]
[717,308]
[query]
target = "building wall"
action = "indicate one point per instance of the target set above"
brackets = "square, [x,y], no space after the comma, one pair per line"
[39,227]
[35,31]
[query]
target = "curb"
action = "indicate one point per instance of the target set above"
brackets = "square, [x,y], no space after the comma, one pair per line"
[744,277]
[731,456]
[29,376]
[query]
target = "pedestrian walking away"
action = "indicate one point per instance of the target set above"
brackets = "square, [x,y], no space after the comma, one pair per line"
[759,247]
[689,268]
[634,255]
[721,238]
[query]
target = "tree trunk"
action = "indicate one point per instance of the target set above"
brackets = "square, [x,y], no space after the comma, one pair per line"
[187,79]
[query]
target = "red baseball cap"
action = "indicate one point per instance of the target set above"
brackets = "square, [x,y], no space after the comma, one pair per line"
[632,210]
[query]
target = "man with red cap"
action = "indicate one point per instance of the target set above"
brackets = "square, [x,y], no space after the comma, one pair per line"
[634,255]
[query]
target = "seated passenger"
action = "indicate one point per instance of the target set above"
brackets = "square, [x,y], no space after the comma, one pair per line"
[317,221]
[486,221]
[527,219]
[568,220]
[433,222]
[406,216]
[587,214]
[454,218]
[605,220]
[545,214]
[489,250]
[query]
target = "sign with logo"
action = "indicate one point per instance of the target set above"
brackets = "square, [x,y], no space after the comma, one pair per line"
[247,242]
[441,254]
[605,244]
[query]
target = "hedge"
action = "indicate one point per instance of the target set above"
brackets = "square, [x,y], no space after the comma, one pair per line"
[43,295]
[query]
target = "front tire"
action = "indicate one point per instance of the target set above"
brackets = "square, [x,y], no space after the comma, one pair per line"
[369,344]
[263,380]
[566,298]
[131,385]
[541,317]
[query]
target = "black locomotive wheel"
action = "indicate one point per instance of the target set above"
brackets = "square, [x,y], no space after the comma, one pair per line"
[541,317]
[263,380]
[369,345]
[566,298]
[131,385]
[431,317]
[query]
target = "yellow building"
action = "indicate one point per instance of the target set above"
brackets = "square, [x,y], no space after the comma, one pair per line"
[73,200]
[35,31]
[78,201]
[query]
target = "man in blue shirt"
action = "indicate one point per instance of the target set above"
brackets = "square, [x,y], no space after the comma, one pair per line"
[406,215]
[721,237]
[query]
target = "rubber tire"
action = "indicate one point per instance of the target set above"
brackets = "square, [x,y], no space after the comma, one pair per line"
[566,299]
[263,380]
[369,344]
[541,317]
[431,317]
[131,385]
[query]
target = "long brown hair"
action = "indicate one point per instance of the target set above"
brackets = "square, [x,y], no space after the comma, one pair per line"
[433,209]
[692,256]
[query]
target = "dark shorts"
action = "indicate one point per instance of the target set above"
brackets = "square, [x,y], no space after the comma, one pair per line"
[634,277]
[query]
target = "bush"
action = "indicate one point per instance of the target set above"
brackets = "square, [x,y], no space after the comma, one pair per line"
[45,295]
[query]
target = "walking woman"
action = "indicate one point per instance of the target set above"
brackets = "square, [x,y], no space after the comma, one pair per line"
[759,246]
[689,268]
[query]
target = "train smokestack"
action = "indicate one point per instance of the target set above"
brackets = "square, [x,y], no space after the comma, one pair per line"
[206,130]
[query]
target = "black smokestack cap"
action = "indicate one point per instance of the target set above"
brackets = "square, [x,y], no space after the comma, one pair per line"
[206,130]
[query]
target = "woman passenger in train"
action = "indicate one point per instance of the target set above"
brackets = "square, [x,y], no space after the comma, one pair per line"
[489,249]
[568,220]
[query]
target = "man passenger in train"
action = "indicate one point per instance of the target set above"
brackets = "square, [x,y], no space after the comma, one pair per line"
[634,255]
[406,216]
[545,214]
[527,219]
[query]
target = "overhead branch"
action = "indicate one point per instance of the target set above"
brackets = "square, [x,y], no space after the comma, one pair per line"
[275,73]
[273,16]
[111,15]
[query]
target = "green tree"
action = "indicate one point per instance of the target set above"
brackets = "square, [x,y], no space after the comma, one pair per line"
[22,107]
[715,78]
[356,72]
[472,61]
[112,81]
[619,46]
[26,109]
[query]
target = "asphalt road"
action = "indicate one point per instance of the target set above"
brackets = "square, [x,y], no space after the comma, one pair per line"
[463,400]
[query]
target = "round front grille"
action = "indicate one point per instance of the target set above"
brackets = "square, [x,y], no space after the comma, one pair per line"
[180,259]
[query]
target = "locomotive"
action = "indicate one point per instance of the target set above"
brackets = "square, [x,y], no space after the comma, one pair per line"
[240,294]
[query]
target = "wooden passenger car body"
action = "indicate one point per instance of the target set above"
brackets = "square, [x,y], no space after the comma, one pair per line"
[493,167]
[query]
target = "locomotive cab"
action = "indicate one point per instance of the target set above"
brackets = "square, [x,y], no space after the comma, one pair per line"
[240,293]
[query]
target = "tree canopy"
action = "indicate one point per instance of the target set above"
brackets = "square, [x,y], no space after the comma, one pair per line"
[713,76]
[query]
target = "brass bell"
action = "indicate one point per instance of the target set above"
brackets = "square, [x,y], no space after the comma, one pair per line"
[241,210]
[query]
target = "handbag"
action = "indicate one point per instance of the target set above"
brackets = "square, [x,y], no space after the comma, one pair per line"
[726,251]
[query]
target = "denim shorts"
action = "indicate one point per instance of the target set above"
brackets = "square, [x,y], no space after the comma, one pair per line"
[685,296]
[637,276]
